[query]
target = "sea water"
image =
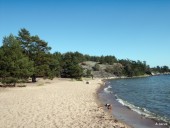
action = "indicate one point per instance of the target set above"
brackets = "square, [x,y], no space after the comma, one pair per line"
[147,96]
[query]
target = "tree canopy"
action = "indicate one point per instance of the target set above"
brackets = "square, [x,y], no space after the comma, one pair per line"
[14,65]
[27,55]
[38,51]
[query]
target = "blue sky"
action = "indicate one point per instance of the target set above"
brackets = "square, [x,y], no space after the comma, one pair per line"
[134,29]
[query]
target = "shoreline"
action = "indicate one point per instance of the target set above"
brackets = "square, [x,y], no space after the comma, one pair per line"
[123,112]
[102,105]
[55,103]
[109,112]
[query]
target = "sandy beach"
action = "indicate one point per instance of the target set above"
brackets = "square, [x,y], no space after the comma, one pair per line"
[58,103]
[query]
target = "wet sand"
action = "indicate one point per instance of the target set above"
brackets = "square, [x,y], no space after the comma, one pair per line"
[128,116]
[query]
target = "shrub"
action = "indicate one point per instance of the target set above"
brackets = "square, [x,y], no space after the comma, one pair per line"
[88,73]
[96,67]
[9,81]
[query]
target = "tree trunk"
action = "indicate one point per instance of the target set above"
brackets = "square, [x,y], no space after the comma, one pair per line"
[34,78]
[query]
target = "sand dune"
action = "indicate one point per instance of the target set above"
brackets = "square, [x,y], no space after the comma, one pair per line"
[60,103]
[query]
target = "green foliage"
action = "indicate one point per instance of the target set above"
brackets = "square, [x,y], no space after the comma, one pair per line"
[96,67]
[75,71]
[57,63]
[108,60]
[95,58]
[133,68]
[165,69]
[159,69]
[88,73]
[101,59]
[29,56]
[9,81]
[32,44]
[70,66]
[14,65]
[87,57]
[116,69]
[72,70]
[37,50]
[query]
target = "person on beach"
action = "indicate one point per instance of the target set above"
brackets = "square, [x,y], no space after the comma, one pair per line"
[109,106]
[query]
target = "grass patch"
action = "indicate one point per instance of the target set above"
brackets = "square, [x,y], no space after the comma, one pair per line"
[40,84]
[21,85]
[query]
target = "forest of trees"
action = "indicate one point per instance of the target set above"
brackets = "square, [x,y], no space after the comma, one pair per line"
[25,56]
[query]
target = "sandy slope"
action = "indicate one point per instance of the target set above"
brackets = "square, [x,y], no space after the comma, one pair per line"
[60,103]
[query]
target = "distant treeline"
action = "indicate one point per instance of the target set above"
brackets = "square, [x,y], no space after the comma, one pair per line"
[25,56]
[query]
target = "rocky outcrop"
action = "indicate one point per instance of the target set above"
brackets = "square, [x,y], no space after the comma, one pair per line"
[101,73]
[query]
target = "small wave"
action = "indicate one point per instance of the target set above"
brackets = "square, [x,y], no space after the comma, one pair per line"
[142,111]
[109,86]
[108,89]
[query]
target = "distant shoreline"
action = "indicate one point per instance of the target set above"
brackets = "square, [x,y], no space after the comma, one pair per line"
[141,76]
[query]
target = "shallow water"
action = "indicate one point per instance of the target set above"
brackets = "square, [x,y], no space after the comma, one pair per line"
[148,97]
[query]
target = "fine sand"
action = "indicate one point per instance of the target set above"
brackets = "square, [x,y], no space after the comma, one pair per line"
[58,103]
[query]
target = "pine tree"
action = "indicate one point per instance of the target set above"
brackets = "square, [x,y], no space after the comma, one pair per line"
[38,51]
[14,65]
[71,67]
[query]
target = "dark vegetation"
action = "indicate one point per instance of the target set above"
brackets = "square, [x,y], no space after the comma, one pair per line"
[25,56]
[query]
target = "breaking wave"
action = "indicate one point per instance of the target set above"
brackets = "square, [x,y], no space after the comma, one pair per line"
[108,89]
[142,111]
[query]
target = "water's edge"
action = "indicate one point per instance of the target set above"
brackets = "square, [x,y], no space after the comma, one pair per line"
[125,114]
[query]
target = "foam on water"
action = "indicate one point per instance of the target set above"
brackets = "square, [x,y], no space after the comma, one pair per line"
[142,111]
[108,89]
